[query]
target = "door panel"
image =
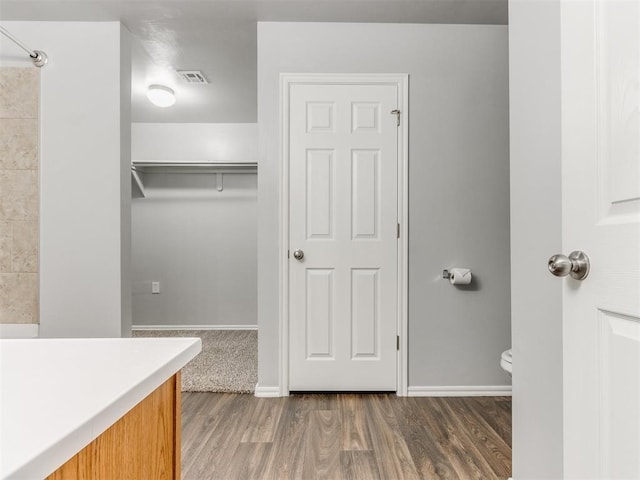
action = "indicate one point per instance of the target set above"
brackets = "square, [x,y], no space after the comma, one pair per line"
[319,186]
[319,318]
[365,172]
[601,216]
[365,315]
[343,196]
[618,45]
[620,397]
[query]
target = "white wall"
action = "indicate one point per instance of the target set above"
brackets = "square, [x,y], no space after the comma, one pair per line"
[458,192]
[84,145]
[195,142]
[536,305]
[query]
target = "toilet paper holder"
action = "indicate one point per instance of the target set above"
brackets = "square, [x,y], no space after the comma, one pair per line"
[458,275]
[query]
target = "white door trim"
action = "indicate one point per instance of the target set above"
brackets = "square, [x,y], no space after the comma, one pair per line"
[402,83]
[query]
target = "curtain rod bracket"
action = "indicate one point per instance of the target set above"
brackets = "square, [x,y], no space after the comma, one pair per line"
[39,58]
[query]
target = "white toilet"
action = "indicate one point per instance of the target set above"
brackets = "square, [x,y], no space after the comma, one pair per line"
[506,361]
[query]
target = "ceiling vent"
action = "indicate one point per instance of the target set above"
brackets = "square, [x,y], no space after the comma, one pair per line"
[192,76]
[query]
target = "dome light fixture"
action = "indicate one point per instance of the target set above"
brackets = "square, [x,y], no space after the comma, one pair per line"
[161,96]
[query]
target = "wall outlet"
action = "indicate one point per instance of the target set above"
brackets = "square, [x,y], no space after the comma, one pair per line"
[155,287]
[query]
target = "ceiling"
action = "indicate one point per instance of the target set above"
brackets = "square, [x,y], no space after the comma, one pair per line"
[218,37]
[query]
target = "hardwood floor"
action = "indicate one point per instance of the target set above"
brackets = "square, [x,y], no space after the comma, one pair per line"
[345,436]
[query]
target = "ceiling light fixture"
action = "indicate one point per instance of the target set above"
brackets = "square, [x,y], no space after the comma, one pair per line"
[161,96]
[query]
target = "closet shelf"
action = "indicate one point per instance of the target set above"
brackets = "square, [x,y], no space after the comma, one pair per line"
[194,167]
[139,169]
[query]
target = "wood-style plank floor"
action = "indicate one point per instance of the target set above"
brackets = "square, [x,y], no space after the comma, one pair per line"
[345,436]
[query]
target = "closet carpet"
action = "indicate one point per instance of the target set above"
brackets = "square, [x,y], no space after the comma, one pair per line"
[228,362]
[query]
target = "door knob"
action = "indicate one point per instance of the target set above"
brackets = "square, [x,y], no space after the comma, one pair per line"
[576,265]
[298,254]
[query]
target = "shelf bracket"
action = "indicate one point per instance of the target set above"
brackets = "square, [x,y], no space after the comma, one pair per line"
[138,180]
[219,186]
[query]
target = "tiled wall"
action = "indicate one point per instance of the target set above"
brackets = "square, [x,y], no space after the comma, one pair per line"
[19,194]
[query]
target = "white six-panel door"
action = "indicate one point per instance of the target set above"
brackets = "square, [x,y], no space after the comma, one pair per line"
[343,200]
[601,216]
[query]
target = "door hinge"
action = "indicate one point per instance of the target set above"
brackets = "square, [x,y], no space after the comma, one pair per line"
[398,342]
[398,232]
[396,112]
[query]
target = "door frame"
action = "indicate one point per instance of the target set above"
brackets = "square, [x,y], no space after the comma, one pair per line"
[401,81]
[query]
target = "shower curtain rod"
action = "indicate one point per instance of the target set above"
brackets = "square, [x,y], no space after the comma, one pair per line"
[39,58]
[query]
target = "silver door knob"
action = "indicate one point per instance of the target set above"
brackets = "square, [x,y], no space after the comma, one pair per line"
[298,254]
[576,265]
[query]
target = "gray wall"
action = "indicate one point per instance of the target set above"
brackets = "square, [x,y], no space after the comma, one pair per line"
[201,245]
[126,304]
[459,183]
[536,302]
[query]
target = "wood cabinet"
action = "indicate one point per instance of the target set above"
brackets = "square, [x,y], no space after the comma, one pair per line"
[143,444]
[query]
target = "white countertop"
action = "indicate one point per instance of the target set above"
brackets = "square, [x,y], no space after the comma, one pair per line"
[58,395]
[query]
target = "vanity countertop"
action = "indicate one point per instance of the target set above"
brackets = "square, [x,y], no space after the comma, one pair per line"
[58,395]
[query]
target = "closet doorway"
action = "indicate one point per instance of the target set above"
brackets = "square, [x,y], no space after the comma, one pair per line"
[194,244]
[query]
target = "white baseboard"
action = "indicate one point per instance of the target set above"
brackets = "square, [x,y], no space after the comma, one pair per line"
[193,327]
[19,330]
[267,392]
[461,391]
[448,391]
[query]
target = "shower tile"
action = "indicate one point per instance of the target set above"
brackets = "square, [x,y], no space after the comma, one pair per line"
[19,92]
[18,195]
[5,247]
[24,248]
[18,298]
[19,144]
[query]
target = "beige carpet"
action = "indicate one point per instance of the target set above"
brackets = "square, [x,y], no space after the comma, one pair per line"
[228,361]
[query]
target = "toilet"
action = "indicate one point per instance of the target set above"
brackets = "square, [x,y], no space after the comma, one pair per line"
[506,361]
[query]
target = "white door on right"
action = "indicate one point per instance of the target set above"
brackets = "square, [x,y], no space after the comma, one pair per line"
[601,216]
